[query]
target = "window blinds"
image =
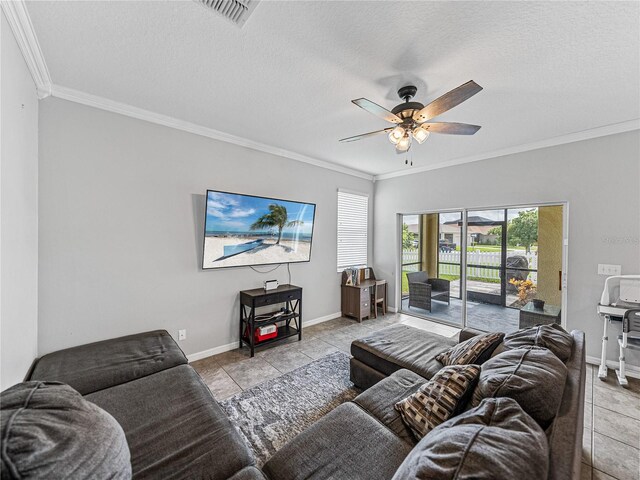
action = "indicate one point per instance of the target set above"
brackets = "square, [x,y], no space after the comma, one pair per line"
[353,216]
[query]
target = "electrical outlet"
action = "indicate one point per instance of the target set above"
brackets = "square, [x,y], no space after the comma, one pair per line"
[182,334]
[609,270]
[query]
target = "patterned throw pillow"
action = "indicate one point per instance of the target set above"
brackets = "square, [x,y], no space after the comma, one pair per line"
[439,399]
[475,350]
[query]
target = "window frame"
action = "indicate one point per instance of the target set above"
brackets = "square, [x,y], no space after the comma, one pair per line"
[361,228]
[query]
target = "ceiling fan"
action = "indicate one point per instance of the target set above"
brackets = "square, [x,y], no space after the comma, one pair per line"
[412,118]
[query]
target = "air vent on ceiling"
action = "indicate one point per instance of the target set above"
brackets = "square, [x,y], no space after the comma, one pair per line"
[236,11]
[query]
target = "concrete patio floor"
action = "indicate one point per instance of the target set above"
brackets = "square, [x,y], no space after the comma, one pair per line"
[490,318]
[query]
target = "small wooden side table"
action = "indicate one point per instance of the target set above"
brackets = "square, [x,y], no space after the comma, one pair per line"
[250,300]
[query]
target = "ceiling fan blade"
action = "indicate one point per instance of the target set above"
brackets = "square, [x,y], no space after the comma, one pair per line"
[377,110]
[451,128]
[447,101]
[365,135]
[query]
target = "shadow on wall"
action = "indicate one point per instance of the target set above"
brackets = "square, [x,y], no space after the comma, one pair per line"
[198,202]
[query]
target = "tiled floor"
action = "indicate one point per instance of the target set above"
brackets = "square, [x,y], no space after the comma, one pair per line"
[611,442]
[611,446]
[231,372]
[487,317]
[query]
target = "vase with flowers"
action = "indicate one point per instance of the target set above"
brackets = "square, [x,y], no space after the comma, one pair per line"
[526,291]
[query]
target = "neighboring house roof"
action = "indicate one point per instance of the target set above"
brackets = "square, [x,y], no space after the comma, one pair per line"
[475,219]
[481,229]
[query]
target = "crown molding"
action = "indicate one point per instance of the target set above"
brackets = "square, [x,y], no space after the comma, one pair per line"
[550,142]
[157,118]
[18,18]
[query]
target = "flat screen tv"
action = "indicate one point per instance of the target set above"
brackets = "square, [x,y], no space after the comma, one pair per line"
[245,230]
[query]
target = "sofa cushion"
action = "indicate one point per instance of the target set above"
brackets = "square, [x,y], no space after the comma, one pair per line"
[476,350]
[439,399]
[174,427]
[92,367]
[552,336]
[380,399]
[345,444]
[50,431]
[249,473]
[497,440]
[534,377]
[402,346]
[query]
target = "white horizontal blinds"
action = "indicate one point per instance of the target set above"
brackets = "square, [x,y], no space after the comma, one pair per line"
[353,216]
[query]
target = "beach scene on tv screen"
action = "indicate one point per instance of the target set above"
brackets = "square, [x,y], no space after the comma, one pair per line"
[242,230]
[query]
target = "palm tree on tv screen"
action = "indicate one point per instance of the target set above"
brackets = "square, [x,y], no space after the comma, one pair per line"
[277,217]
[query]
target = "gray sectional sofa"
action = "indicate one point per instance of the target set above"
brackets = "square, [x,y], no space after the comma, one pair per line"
[175,429]
[367,439]
[173,425]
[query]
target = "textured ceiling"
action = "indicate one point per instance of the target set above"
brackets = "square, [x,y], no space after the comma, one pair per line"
[286,79]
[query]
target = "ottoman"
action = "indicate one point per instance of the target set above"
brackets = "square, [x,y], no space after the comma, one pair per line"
[399,346]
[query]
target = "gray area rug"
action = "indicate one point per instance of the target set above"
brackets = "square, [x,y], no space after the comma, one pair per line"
[272,413]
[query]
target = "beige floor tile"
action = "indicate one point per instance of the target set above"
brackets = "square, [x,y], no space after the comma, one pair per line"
[588,387]
[206,367]
[286,360]
[588,415]
[341,343]
[612,383]
[250,372]
[586,447]
[619,427]
[598,475]
[615,458]
[232,356]
[316,348]
[616,399]
[222,385]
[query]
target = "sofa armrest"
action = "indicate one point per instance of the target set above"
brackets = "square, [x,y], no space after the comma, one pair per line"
[440,284]
[467,333]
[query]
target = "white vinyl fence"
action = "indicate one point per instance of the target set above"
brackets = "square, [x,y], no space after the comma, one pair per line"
[473,258]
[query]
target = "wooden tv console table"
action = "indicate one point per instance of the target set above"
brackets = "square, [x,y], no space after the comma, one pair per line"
[250,300]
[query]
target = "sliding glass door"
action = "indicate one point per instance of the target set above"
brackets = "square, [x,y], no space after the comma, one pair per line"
[431,266]
[512,256]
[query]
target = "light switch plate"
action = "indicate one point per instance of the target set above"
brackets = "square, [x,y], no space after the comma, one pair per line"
[609,270]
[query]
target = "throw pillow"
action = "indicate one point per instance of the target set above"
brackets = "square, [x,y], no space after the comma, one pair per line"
[496,440]
[50,431]
[475,350]
[439,399]
[553,337]
[532,376]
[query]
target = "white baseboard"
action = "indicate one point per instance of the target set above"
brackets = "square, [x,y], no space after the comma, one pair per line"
[632,370]
[232,346]
[212,351]
[315,321]
[392,309]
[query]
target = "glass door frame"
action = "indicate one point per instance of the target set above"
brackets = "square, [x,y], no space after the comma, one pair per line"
[463,257]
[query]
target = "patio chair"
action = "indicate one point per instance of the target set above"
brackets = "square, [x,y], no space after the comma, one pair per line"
[422,290]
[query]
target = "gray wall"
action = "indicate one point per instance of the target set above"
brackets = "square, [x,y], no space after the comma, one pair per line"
[599,179]
[18,213]
[121,211]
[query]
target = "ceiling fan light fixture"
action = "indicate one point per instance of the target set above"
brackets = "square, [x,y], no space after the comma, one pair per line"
[404,143]
[420,134]
[396,135]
